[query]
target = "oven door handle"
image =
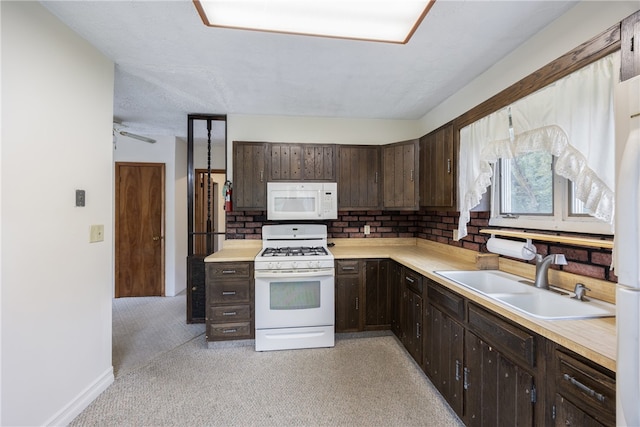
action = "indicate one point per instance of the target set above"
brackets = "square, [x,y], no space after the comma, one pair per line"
[319,272]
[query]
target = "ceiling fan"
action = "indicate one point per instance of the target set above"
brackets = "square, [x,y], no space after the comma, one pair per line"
[117,129]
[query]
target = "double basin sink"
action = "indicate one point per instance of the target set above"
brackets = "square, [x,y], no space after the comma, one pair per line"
[520,294]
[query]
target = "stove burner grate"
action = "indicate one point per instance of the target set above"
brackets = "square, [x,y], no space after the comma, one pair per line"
[295,251]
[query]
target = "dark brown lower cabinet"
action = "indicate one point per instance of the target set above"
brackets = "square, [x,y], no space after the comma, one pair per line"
[349,301]
[395,292]
[411,313]
[497,392]
[444,355]
[585,393]
[377,302]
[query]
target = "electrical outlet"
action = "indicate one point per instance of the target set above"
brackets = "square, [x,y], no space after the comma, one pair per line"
[367,229]
[455,235]
[96,234]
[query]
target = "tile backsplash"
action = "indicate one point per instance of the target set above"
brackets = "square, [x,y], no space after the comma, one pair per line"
[437,226]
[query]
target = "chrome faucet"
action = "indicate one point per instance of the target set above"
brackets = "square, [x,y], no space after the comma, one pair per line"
[542,268]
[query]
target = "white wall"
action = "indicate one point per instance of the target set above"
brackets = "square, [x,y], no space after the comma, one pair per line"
[578,25]
[180,215]
[57,108]
[165,150]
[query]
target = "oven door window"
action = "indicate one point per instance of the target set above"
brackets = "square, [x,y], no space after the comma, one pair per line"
[294,295]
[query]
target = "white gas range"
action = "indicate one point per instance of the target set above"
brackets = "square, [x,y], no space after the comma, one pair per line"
[294,288]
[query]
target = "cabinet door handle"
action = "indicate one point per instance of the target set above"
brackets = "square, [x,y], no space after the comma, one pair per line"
[412,175]
[465,383]
[457,370]
[409,279]
[228,293]
[448,165]
[357,303]
[228,272]
[229,313]
[417,329]
[261,176]
[376,180]
[586,389]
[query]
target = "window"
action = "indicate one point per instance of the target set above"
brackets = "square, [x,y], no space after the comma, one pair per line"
[529,194]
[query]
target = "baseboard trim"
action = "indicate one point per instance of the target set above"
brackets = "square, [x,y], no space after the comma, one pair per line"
[82,400]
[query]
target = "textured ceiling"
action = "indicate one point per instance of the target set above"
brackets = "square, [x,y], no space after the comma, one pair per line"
[169,64]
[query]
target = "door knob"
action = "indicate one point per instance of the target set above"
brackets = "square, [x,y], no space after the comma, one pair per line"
[156,238]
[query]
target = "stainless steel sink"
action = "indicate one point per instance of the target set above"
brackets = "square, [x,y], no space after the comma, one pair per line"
[518,293]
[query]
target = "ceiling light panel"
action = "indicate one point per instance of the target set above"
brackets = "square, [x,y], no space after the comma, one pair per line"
[376,20]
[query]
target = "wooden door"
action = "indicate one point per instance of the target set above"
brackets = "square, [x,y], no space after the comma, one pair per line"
[139,240]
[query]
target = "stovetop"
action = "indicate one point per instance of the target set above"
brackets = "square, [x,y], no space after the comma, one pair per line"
[307,251]
[294,247]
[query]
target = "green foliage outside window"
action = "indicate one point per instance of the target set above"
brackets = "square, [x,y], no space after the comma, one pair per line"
[527,184]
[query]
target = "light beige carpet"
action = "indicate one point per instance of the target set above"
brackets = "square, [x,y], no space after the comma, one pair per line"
[369,381]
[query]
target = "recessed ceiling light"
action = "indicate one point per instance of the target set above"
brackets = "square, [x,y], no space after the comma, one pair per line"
[391,21]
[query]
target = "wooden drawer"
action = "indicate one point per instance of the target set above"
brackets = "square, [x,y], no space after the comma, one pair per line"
[591,390]
[347,267]
[412,280]
[447,301]
[229,331]
[231,270]
[222,291]
[508,338]
[229,313]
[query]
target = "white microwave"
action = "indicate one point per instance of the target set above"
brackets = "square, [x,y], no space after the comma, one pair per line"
[302,200]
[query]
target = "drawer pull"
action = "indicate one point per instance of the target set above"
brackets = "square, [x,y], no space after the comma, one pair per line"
[228,272]
[591,392]
[229,331]
[228,293]
[409,279]
[348,268]
[230,313]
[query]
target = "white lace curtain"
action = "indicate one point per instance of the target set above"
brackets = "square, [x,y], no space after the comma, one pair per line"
[572,119]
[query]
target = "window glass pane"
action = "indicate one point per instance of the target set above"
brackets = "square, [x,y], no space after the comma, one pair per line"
[527,184]
[576,207]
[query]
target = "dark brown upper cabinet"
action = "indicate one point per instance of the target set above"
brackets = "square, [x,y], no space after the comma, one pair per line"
[302,162]
[249,176]
[359,177]
[438,158]
[630,47]
[400,168]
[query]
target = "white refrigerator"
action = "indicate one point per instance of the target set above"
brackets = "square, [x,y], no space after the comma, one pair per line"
[627,262]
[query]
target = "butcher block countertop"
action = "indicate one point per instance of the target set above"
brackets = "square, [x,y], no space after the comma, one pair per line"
[594,339]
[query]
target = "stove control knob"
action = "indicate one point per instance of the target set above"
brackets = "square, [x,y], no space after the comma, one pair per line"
[314,264]
[294,264]
[272,265]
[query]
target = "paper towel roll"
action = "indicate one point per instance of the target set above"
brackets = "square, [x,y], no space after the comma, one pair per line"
[522,250]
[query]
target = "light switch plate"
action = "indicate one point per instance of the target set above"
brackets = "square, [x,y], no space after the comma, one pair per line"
[96,234]
[367,229]
[80,198]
